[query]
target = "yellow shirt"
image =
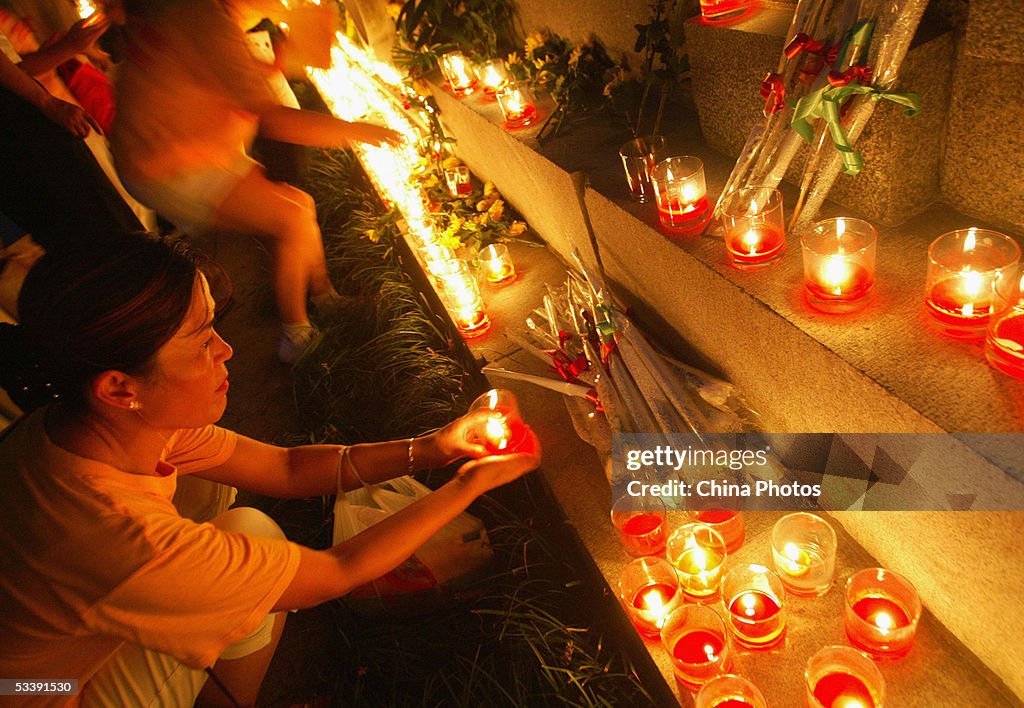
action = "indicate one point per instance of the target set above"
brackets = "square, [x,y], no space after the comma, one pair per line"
[91,556]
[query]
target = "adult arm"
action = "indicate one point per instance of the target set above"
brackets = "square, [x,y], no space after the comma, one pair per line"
[68,115]
[78,40]
[291,125]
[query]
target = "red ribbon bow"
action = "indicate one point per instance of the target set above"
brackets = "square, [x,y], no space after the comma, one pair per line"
[773,91]
[803,43]
[862,74]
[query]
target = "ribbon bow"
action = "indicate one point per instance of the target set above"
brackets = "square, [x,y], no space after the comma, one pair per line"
[825,103]
[862,74]
[773,91]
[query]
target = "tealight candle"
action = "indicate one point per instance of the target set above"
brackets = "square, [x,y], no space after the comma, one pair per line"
[729,525]
[841,677]
[493,75]
[882,611]
[497,263]
[638,159]
[649,591]
[755,230]
[697,551]
[681,194]
[1004,342]
[717,11]
[839,264]
[516,105]
[729,691]
[458,71]
[753,596]
[460,294]
[503,430]
[694,637]
[804,553]
[641,524]
[962,267]
[457,179]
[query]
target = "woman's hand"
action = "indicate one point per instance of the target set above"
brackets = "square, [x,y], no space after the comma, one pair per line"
[82,35]
[74,119]
[373,134]
[453,441]
[487,473]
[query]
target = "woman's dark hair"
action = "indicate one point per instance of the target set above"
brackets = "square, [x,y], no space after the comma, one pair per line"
[94,308]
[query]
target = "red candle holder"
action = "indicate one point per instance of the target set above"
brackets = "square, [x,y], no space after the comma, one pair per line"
[638,159]
[695,638]
[457,179]
[497,264]
[839,264]
[841,677]
[458,71]
[804,553]
[641,524]
[649,591]
[1004,341]
[698,552]
[492,75]
[681,194]
[516,105]
[718,11]
[460,294]
[729,691]
[755,229]
[882,612]
[962,267]
[753,597]
[503,431]
[729,525]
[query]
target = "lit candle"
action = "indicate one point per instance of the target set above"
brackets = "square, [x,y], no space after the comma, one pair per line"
[695,638]
[649,591]
[503,430]
[728,524]
[460,294]
[841,677]
[457,179]
[753,596]
[493,75]
[457,70]
[841,690]
[839,264]
[962,267]
[639,156]
[729,691]
[85,8]
[497,263]
[681,194]
[755,234]
[697,551]
[804,553]
[516,105]
[882,611]
[1004,343]
[641,524]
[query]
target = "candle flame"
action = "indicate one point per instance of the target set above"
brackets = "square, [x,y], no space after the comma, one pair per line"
[497,430]
[697,554]
[968,310]
[836,273]
[709,651]
[689,193]
[795,561]
[491,77]
[754,207]
[971,240]
[515,103]
[653,602]
[884,622]
[749,603]
[972,281]
[840,227]
[751,240]
[848,702]
[85,8]
[492,399]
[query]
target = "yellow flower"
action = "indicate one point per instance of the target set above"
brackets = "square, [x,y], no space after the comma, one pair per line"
[538,63]
[517,228]
[371,235]
[481,219]
[485,203]
[489,188]
[497,210]
[534,40]
[513,58]
[421,87]
[574,58]
[450,163]
[450,240]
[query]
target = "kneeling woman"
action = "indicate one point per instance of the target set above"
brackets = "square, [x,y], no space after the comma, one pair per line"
[102,580]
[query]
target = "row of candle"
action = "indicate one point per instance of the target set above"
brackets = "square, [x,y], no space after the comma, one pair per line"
[514,100]
[881,610]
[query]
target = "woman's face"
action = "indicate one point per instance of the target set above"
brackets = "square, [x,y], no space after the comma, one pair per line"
[188,385]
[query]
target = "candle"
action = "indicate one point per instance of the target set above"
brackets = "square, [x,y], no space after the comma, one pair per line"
[681,195]
[640,523]
[638,159]
[460,295]
[841,677]
[753,597]
[457,70]
[503,430]
[728,524]
[649,591]
[719,11]
[516,105]
[804,553]
[1004,342]
[697,551]
[457,179]
[497,263]
[729,691]
[882,611]
[755,232]
[85,8]
[963,266]
[493,75]
[839,264]
[695,639]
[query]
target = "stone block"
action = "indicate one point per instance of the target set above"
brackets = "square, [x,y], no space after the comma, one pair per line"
[995,30]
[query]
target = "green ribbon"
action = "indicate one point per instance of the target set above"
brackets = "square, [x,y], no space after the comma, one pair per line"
[858,36]
[607,325]
[825,103]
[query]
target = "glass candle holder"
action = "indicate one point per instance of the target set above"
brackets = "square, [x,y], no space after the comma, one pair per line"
[753,597]
[695,638]
[882,611]
[438,260]
[497,263]
[962,266]
[697,551]
[516,105]
[755,229]
[729,525]
[649,591]
[492,75]
[1004,341]
[457,179]
[458,72]
[722,10]
[729,691]
[641,524]
[841,677]
[839,264]
[681,194]
[460,294]
[638,159]
[503,430]
[804,553]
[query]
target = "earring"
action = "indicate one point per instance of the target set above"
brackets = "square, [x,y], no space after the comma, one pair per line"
[133,405]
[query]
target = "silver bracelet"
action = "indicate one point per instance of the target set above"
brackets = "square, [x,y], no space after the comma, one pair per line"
[344,458]
[410,469]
